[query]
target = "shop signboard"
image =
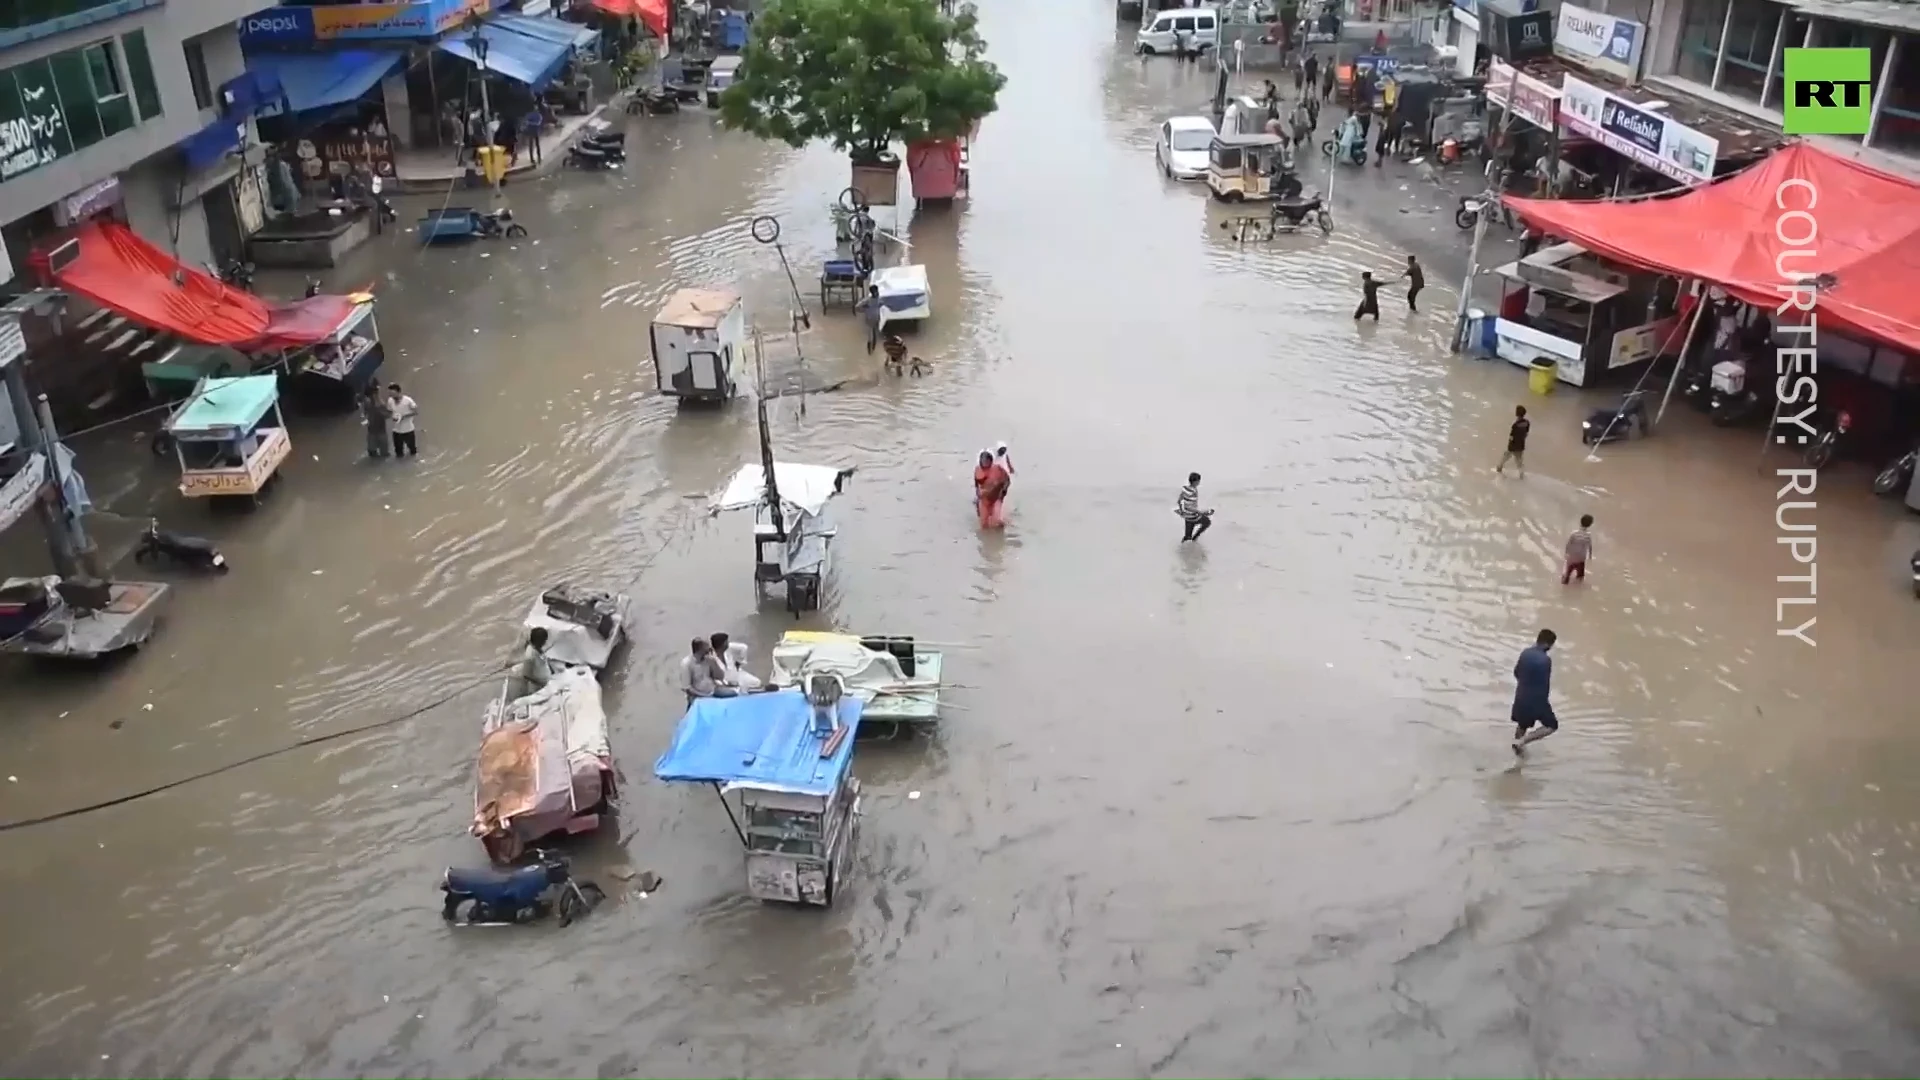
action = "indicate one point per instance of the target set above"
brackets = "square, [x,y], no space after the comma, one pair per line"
[284,27]
[1638,343]
[1533,99]
[33,126]
[87,202]
[1604,43]
[1658,142]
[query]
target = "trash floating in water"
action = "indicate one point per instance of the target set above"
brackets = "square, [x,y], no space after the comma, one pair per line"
[317,573]
[148,707]
[13,779]
[913,794]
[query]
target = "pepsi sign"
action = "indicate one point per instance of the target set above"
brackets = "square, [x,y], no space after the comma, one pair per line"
[278,26]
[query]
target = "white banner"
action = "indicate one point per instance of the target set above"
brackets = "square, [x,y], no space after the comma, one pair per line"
[18,493]
[1598,41]
[1532,98]
[1649,138]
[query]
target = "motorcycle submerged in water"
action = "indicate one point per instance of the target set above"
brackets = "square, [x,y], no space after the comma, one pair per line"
[1626,420]
[1298,212]
[157,544]
[517,894]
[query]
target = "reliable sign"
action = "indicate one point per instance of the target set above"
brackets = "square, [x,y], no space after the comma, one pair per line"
[1829,91]
[1658,142]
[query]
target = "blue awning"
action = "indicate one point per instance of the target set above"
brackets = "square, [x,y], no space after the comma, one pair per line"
[524,59]
[318,80]
[572,35]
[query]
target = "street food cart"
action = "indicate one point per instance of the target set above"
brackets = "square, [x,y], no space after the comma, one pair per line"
[346,360]
[1248,167]
[181,367]
[1562,304]
[785,758]
[229,438]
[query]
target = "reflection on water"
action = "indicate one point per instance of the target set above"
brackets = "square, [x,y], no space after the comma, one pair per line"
[1237,806]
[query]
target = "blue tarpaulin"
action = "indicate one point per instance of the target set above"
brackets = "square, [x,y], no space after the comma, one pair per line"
[572,35]
[533,61]
[758,740]
[318,80]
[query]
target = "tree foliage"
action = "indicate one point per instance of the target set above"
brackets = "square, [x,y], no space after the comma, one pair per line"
[861,74]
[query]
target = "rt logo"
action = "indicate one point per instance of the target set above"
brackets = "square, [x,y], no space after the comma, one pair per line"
[1829,91]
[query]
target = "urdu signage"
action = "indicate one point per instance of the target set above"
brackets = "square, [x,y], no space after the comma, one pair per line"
[1601,42]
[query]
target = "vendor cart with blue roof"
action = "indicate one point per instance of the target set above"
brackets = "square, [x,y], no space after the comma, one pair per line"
[230,438]
[788,757]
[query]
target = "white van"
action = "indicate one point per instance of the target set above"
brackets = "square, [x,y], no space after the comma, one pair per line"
[1200,26]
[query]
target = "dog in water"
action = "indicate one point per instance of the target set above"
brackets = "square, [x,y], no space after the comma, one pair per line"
[913,366]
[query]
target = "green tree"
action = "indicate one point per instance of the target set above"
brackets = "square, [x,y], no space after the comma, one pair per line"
[861,74]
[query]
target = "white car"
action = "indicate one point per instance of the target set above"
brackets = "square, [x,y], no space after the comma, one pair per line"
[1182,147]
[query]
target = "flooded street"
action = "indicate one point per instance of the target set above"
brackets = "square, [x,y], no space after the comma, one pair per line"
[1236,807]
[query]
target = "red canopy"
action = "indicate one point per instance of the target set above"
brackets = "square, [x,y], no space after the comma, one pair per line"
[121,272]
[1868,236]
[651,12]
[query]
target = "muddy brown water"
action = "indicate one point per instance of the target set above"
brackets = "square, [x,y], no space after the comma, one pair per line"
[1244,806]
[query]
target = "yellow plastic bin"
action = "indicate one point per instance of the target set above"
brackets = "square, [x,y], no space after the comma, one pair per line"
[1541,375]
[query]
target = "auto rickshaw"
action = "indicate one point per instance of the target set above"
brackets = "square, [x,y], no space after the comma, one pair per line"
[1249,167]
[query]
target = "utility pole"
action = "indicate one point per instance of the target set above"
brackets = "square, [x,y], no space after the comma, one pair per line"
[1489,205]
[495,170]
[66,541]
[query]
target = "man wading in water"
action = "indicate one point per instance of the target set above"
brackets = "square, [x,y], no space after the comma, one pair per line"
[1197,521]
[1532,679]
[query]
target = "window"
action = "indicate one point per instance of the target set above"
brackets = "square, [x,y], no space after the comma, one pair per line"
[197,74]
[1899,126]
[102,71]
[1700,26]
[1837,35]
[146,93]
[1794,36]
[1750,34]
[15,14]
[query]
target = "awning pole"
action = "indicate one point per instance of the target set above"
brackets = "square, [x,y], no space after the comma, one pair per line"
[724,805]
[1680,362]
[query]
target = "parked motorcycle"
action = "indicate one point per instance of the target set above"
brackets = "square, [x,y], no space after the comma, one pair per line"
[1294,214]
[518,894]
[1898,474]
[1472,206]
[653,101]
[1820,451]
[157,543]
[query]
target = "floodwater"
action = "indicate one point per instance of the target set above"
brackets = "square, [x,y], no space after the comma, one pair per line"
[1241,806]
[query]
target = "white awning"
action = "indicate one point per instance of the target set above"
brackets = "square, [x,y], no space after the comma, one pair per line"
[807,487]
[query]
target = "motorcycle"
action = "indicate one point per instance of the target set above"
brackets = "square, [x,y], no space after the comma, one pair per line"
[1898,474]
[1472,206]
[1623,421]
[517,894]
[1348,145]
[1819,453]
[495,225]
[235,273]
[581,156]
[157,543]
[1294,214]
[653,101]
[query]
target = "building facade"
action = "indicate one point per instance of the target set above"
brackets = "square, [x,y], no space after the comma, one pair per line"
[97,98]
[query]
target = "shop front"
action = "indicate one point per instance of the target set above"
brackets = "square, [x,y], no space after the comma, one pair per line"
[1587,317]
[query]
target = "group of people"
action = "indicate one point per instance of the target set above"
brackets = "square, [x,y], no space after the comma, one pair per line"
[1414,275]
[390,419]
[715,667]
[992,477]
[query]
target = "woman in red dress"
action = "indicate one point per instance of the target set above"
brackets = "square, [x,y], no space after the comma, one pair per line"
[990,483]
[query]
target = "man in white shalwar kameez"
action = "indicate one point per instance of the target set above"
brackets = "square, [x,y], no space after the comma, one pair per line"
[733,661]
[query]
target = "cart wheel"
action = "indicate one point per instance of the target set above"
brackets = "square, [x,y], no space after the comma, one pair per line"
[1326,223]
[516,230]
[851,200]
[766,229]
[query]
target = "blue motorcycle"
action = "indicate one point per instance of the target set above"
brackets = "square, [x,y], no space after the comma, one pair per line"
[518,894]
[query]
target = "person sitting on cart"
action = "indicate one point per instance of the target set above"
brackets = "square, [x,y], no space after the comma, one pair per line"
[702,676]
[536,670]
[732,659]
